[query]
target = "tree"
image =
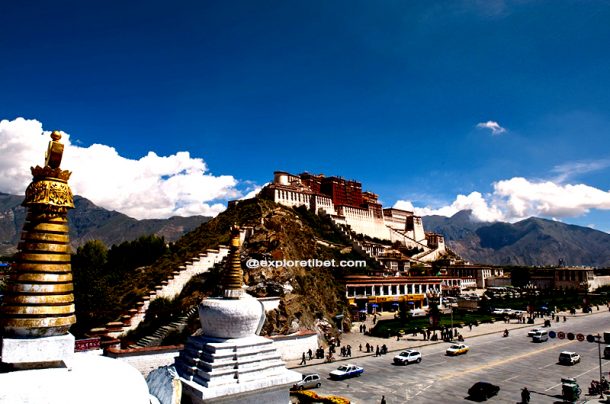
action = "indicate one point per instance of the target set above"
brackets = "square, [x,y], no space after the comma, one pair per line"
[92,293]
[405,313]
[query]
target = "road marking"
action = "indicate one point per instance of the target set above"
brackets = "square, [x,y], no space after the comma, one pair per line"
[502,361]
[511,378]
[584,373]
[552,387]
[422,390]
[544,367]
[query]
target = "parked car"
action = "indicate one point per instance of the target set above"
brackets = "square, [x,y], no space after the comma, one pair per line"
[309,381]
[483,390]
[533,331]
[569,358]
[345,371]
[457,349]
[607,352]
[408,356]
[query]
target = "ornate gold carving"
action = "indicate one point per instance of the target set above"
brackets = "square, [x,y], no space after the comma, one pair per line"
[49,192]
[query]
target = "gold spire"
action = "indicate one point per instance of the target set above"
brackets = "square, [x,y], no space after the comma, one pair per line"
[38,300]
[232,279]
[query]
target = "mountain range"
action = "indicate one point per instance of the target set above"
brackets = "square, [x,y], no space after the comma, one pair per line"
[533,241]
[91,222]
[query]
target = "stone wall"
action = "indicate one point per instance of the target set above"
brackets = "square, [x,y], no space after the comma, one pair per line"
[146,359]
[598,281]
[291,347]
[270,303]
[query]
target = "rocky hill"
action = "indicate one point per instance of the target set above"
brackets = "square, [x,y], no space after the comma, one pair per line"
[532,241]
[90,222]
[309,296]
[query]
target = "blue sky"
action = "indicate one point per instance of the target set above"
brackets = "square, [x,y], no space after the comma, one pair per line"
[389,93]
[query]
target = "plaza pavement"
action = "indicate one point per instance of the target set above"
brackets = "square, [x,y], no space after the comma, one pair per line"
[355,338]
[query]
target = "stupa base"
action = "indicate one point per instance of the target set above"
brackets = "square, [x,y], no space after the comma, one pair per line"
[37,353]
[230,370]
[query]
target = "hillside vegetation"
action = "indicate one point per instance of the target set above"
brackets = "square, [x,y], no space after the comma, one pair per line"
[309,296]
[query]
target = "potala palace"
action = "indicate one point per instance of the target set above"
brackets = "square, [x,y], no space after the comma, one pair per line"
[347,205]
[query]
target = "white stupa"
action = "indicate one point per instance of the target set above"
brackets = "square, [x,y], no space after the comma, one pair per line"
[230,363]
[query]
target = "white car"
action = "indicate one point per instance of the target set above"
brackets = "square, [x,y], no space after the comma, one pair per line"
[534,331]
[345,371]
[569,358]
[408,356]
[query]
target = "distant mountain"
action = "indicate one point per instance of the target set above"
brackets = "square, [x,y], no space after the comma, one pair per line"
[90,222]
[532,241]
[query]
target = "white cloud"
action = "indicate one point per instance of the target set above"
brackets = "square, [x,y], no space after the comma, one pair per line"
[495,127]
[474,201]
[519,198]
[574,168]
[150,187]
[254,191]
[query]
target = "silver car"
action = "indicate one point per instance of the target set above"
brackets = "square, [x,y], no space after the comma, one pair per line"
[309,382]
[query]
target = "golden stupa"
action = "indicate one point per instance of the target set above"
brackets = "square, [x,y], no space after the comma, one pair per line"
[38,299]
[233,279]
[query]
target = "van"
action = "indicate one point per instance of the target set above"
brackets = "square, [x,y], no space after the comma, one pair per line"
[607,352]
[540,336]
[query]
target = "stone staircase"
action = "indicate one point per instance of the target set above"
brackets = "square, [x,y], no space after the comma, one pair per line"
[168,289]
[162,332]
[356,244]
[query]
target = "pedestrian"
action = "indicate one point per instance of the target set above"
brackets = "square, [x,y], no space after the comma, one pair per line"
[564,319]
[303,362]
[349,351]
[470,326]
[383,400]
[367,348]
[360,347]
[377,351]
[310,354]
[361,328]
[525,395]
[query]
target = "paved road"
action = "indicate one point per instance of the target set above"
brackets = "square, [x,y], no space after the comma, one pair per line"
[511,363]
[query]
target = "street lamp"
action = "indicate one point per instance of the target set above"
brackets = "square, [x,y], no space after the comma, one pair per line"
[601,376]
[451,305]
